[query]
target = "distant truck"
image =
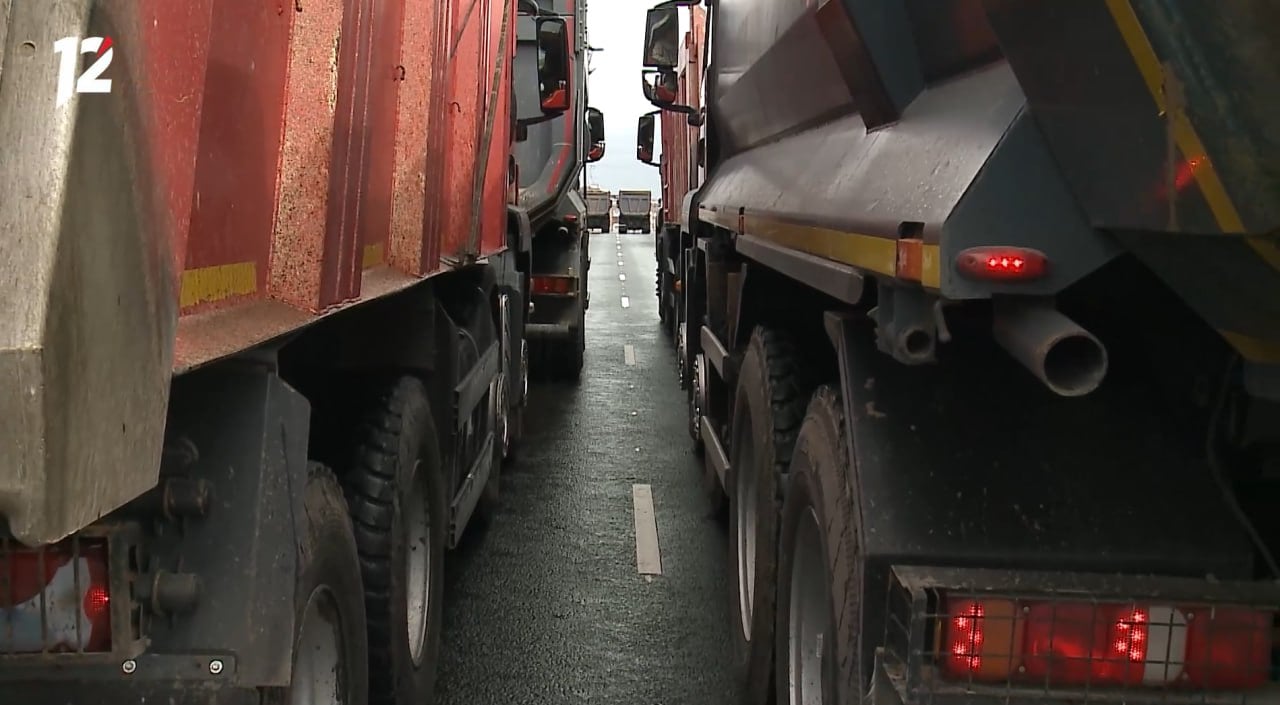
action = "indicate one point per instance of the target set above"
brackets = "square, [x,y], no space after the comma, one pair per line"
[978,313]
[634,208]
[599,209]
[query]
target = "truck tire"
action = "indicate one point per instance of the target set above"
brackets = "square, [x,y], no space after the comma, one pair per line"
[819,576]
[769,406]
[329,641]
[396,491]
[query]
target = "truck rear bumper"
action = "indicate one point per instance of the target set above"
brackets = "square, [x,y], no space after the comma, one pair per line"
[171,688]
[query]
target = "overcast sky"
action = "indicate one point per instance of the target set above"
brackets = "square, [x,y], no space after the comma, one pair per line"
[617,27]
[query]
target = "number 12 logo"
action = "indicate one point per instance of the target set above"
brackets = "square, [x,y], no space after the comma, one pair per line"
[69,50]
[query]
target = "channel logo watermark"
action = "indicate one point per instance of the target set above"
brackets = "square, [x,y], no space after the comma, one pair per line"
[69,50]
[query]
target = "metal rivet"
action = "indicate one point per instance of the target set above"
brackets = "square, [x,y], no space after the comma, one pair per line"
[129,666]
[215,667]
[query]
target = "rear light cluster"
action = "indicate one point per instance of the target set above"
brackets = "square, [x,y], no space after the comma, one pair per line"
[54,599]
[1098,644]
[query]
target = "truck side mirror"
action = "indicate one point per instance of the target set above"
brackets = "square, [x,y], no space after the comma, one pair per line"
[553,64]
[644,139]
[595,128]
[662,88]
[662,37]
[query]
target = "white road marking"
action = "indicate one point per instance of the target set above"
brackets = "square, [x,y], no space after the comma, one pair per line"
[648,557]
[626,302]
[629,354]
[622,277]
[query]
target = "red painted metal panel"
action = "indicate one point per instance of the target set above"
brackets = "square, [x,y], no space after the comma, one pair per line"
[235,180]
[338,136]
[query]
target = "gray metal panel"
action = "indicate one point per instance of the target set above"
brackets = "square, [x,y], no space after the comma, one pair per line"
[87,309]
[955,468]
[772,70]
[840,176]
[1021,199]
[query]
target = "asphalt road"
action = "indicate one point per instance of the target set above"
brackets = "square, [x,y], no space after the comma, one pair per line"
[547,604]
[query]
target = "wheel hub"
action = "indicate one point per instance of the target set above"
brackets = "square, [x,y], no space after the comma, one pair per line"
[417,565]
[680,350]
[698,397]
[810,623]
[318,667]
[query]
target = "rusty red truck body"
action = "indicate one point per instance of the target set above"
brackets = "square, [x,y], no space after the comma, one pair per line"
[265,288]
[977,313]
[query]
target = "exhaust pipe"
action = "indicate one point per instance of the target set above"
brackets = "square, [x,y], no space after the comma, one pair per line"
[1067,358]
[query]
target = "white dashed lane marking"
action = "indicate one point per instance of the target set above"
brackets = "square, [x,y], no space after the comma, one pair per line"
[648,557]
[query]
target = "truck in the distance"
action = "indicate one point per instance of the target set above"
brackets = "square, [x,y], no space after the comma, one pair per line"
[599,205]
[983,358]
[260,342]
[550,156]
[634,211]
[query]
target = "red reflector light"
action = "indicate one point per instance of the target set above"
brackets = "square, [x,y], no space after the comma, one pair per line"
[55,599]
[1002,263]
[1105,644]
[553,285]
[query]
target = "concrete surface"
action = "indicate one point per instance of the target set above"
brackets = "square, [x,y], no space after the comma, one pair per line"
[548,604]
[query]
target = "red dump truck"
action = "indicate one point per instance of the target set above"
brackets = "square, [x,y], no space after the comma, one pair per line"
[680,169]
[984,341]
[262,343]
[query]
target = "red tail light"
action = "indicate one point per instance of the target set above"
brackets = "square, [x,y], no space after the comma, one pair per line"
[55,599]
[1002,263]
[1229,648]
[1077,644]
[553,285]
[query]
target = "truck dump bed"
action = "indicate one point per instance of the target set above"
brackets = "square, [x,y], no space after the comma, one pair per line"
[598,203]
[908,133]
[250,170]
[635,202]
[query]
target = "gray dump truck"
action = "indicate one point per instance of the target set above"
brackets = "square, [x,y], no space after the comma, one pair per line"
[980,314]
[634,211]
[599,210]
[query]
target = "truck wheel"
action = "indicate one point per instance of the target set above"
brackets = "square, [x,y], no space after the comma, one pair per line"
[819,578]
[768,409]
[397,497]
[329,641]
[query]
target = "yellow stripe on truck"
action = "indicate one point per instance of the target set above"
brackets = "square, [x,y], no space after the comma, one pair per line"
[218,282]
[866,252]
[1184,134]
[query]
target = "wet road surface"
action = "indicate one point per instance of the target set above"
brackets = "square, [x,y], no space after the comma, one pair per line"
[548,604]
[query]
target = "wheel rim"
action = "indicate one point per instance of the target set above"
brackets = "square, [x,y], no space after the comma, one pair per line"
[524,370]
[417,565]
[698,397]
[500,413]
[680,348]
[318,666]
[745,496]
[808,642]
